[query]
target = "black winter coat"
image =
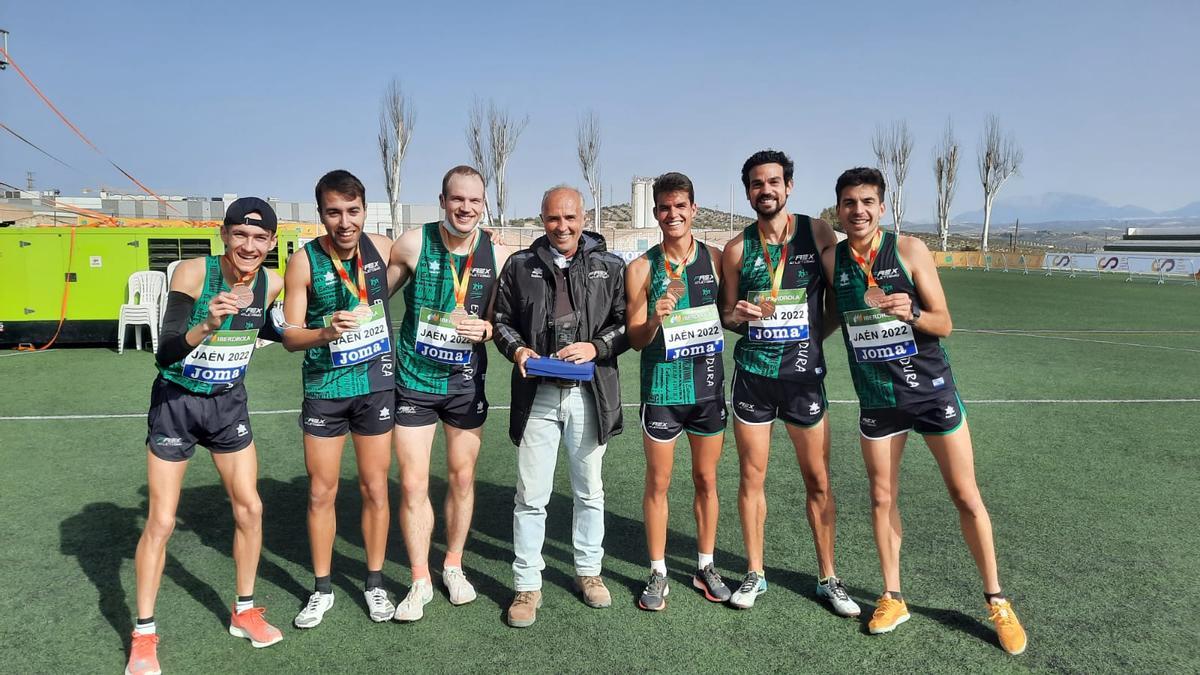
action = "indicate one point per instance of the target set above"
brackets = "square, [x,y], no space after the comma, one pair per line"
[524,308]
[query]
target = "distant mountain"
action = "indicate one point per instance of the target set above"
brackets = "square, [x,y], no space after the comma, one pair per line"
[1058,206]
[1190,211]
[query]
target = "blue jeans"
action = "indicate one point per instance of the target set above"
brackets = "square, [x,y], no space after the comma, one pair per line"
[568,415]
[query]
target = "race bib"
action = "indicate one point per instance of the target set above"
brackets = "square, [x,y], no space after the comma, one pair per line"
[222,357]
[693,332]
[438,340]
[372,338]
[789,323]
[876,337]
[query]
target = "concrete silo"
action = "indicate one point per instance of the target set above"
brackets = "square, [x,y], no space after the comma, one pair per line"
[641,205]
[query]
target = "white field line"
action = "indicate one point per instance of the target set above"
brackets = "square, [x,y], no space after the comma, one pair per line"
[1076,339]
[982,401]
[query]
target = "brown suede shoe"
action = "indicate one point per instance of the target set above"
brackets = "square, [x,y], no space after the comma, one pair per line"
[523,610]
[594,592]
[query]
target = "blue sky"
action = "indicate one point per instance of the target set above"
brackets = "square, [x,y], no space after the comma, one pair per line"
[263,97]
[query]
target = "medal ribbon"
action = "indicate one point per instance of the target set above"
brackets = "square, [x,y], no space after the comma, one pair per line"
[865,264]
[243,280]
[677,273]
[360,288]
[775,274]
[461,281]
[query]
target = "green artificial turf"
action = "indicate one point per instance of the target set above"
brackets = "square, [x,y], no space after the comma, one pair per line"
[1094,508]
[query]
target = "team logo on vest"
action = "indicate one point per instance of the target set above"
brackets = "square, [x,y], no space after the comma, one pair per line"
[889,273]
[435,267]
[802,259]
[481,272]
[844,279]
[251,311]
[701,279]
[372,266]
[329,277]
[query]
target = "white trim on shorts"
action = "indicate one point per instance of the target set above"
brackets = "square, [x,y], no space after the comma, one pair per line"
[646,433]
[882,438]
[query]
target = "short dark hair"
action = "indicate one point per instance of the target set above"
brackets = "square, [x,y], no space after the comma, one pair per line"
[460,170]
[673,181]
[860,175]
[768,157]
[342,182]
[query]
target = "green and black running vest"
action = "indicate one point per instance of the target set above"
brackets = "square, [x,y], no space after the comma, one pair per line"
[684,380]
[800,360]
[892,364]
[427,363]
[323,378]
[220,361]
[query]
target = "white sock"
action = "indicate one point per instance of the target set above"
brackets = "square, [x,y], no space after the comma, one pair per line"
[243,605]
[704,560]
[659,566]
[146,628]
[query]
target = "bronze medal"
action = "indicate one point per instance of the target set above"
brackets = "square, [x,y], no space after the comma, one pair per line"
[457,316]
[874,296]
[676,289]
[767,307]
[362,312]
[243,295]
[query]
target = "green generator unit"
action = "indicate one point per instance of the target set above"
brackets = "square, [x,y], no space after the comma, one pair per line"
[34,275]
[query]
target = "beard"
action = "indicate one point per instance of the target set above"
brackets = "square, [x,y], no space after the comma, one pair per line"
[766,212]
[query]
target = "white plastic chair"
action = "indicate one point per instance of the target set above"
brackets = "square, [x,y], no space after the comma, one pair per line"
[145,291]
[162,301]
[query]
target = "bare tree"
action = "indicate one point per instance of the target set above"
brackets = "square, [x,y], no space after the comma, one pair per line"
[589,158]
[999,159]
[893,145]
[396,120]
[945,172]
[503,133]
[480,150]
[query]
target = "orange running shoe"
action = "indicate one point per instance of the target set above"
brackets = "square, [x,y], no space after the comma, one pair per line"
[143,655]
[889,613]
[251,625]
[1008,628]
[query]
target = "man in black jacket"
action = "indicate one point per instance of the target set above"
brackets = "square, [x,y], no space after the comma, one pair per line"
[564,296]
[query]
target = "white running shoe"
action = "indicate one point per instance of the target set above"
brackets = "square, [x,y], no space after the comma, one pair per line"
[314,611]
[461,590]
[412,608]
[834,592]
[378,605]
[748,591]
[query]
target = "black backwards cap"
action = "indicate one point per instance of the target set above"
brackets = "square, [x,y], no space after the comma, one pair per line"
[240,208]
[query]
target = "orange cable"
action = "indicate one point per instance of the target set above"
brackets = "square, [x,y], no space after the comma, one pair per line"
[62,314]
[79,133]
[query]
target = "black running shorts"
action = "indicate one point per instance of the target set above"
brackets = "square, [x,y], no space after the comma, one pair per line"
[936,417]
[467,410]
[664,423]
[366,415]
[759,400]
[179,420]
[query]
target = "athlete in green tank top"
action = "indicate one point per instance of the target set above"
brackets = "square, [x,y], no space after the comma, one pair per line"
[211,370]
[671,316]
[894,312]
[426,364]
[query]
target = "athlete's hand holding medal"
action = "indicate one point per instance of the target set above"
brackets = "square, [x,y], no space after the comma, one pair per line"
[223,304]
[676,283]
[472,328]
